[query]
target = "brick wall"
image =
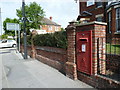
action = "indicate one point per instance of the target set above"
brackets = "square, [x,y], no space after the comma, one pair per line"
[98,81]
[54,57]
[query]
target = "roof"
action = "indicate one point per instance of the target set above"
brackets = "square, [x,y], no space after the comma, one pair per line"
[49,22]
[84,14]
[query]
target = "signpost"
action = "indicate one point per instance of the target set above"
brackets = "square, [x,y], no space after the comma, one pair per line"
[16,27]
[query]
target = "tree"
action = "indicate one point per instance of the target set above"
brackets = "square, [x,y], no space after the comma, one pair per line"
[34,14]
[62,29]
[8,20]
[4,36]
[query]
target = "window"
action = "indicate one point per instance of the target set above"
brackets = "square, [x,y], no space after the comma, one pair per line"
[56,28]
[99,19]
[50,28]
[109,22]
[118,19]
[40,26]
[98,4]
[90,2]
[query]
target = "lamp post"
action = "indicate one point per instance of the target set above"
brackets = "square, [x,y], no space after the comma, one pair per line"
[24,28]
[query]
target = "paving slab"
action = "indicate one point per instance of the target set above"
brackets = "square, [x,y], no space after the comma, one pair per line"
[31,73]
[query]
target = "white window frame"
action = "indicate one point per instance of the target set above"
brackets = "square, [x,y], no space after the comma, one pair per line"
[109,21]
[117,19]
[50,28]
[90,2]
[56,28]
[40,26]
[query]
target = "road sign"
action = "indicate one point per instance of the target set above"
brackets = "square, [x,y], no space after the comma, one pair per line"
[13,26]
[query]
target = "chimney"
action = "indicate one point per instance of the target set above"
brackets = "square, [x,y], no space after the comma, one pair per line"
[50,18]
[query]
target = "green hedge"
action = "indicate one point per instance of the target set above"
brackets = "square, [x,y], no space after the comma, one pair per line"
[57,39]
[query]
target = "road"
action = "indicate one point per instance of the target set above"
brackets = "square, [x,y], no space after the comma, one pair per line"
[30,73]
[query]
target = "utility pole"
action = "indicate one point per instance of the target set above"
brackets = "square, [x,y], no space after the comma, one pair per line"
[24,28]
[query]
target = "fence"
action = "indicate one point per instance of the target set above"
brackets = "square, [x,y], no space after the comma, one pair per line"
[111,58]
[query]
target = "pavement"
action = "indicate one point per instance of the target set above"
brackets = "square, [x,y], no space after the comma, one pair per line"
[31,73]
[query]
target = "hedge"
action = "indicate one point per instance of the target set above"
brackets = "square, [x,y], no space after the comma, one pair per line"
[57,39]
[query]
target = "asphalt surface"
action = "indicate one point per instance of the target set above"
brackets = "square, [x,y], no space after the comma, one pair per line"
[30,73]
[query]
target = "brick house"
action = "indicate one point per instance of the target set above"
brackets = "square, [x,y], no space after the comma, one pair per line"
[50,26]
[108,12]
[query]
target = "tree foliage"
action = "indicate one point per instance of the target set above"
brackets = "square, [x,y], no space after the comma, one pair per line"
[8,20]
[34,14]
[4,36]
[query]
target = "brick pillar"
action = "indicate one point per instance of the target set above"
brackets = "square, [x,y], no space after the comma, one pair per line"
[98,31]
[71,70]
[33,47]
[101,35]
[33,52]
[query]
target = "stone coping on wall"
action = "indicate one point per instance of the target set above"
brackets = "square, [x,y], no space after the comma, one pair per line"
[52,49]
[108,79]
[94,22]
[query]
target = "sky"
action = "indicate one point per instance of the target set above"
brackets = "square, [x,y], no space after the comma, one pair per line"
[62,11]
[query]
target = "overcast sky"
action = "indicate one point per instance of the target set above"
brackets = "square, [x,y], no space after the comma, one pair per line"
[62,11]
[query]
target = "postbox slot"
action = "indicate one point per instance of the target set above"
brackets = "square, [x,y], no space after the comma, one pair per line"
[84,39]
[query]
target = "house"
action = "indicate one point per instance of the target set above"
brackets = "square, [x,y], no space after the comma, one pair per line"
[48,26]
[108,12]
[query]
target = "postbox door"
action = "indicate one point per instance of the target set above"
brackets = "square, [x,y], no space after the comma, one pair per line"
[84,51]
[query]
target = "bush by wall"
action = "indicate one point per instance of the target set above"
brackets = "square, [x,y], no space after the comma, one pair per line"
[57,39]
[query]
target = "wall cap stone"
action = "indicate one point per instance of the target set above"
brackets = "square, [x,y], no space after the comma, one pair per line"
[70,27]
[94,22]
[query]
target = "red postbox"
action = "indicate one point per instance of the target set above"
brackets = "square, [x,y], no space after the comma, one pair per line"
[84,51]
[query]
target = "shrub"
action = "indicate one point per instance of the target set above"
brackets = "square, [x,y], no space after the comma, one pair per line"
[57,39]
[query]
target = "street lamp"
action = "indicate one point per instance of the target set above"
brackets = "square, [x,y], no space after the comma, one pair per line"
[24,28]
